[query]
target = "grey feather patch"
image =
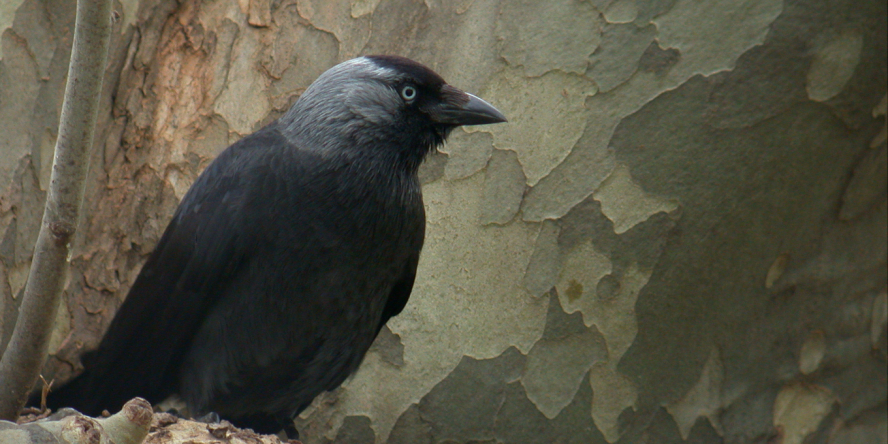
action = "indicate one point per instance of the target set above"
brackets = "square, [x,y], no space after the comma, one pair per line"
[346,99]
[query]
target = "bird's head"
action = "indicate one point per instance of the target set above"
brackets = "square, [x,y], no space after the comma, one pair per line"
[384,106]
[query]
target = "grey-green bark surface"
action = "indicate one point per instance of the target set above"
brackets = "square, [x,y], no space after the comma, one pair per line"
[25,353]
[679,236]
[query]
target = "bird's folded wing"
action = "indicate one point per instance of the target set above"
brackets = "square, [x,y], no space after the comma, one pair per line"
[169,299]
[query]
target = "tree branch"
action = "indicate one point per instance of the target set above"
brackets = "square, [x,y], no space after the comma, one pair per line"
[27,349]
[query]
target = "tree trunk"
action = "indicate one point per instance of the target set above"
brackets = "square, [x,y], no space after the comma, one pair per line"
[679,235]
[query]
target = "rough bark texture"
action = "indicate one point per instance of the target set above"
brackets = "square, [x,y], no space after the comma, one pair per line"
[680,235]
[128,426]
[134,424]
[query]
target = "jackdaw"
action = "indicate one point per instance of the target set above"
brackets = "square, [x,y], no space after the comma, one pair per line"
[287,255]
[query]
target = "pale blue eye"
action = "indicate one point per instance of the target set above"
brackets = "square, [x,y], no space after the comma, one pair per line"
[408,93]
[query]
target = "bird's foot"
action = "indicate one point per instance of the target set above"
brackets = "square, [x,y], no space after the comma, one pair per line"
[209,418]
[291,432]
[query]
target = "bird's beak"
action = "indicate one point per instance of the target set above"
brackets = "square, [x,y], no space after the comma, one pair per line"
[462,108]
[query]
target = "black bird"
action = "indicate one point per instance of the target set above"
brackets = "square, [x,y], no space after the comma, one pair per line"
[287,255]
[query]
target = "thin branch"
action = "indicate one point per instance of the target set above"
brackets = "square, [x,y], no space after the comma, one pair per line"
[27,349]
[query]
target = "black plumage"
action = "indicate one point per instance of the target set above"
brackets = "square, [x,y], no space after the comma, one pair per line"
[287,255]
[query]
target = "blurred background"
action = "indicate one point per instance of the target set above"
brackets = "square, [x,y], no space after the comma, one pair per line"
[680,235]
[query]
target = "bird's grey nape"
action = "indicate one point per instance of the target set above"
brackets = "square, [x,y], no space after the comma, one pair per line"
[339,108]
